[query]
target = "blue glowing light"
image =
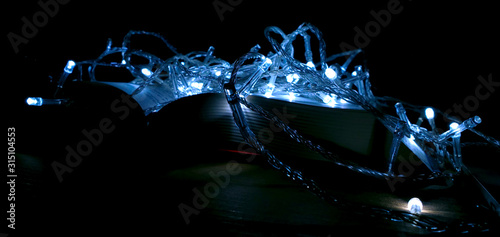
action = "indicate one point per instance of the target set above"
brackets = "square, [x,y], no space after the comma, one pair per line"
[429,113]
[218,73]
[415,206]
[330,73]
[146,72]
[34,101]
[197,85]
[310,64]
[69,66]
[269,90]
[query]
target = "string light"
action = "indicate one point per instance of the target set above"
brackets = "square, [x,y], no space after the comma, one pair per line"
[280,76]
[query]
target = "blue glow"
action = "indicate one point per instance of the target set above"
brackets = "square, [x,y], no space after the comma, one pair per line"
[327,99]
[330,73]
[415,206]
[330,100]
[34,101]
[454,125]
[269,61]
[291,96]
[218,73]
[146,72]
[292,78]
[197,85]
[310,64]
[269,90]
[429,113]
[69,66]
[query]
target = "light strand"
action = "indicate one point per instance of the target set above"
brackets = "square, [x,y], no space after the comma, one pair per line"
[280,76]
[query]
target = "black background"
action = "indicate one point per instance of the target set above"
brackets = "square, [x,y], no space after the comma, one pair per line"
[429,54]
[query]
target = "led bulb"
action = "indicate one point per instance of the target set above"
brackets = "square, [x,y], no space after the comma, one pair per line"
[34,101]
[269,90]
[454,125]
[197,85]
[218,73]
[269,61]
[330,73]
[69,66]
[429,113]
[310,64]
[291,96]
[415,206]
[292,78]
[327,99]
[146,72]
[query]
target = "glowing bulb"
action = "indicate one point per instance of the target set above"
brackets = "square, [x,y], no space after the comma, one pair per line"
[69,66]
[269,61]
[291,96]
[146,72]
[218,73]
[197,85]
[429,113]
[269,90]
[354,73]
[342,101]
[415,206]
[332,103]
[124,62]
[34,101]
[330,100]
[310,64]
[292,78]
[327,99]
[330,73]
[454,125]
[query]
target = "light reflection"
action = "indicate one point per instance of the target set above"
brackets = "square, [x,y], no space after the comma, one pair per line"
[415,206]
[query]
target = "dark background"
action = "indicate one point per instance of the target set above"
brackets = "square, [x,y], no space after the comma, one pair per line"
[429,54]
